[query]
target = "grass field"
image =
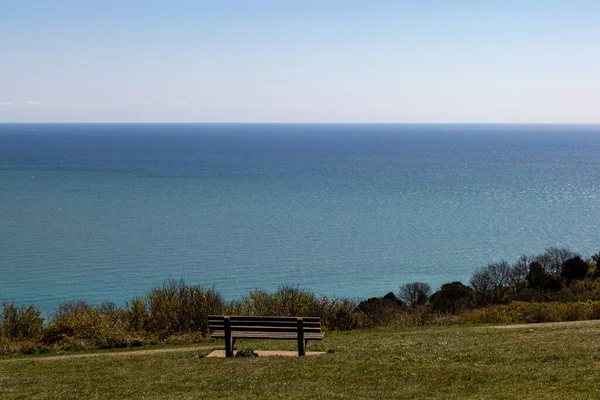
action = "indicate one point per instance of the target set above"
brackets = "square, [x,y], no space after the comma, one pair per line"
[547,361]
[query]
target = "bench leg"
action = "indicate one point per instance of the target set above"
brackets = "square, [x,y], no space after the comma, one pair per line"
[301,348]
[301,341]
[228,341]
[228,348]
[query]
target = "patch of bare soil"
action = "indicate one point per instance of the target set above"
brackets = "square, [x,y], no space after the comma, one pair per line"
[268,353]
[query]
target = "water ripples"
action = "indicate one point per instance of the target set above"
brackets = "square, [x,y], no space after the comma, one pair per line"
[333,216]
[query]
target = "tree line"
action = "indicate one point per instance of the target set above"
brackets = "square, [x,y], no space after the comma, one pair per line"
[558,274]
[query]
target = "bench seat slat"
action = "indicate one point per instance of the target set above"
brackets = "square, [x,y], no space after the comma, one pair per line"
[268,335]
[235,325]
[235,328]
[261,318]
[265,327]
[292,324]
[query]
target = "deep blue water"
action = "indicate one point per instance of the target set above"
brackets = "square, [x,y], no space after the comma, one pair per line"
[104,212]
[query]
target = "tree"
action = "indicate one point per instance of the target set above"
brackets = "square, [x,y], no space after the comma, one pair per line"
[596,260]
[537,276]
[574,269]
[499,274]
[415,293]
[490,281]
[554,258]
[517,275]
[452,298]
[481,281]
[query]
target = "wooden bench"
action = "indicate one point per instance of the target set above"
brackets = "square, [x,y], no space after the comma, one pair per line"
[231,328]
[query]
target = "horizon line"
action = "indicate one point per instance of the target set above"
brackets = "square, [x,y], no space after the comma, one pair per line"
[291,123]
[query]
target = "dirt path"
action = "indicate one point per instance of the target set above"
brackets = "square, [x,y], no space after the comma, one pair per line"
[131,353]
[268,353]
[548,324]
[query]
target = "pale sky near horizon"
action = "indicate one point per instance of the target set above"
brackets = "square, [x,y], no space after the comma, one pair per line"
[300,61]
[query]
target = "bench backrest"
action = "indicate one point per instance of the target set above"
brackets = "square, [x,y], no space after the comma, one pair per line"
[241,323]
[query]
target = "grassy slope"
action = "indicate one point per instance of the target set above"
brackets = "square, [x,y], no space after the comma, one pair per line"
[455,362]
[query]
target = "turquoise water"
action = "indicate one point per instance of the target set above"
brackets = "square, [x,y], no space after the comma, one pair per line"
[103,212]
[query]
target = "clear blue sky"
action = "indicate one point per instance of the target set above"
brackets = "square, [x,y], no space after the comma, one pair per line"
[304,61]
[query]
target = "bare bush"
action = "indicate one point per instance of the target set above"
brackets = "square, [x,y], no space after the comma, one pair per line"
[517,276]
[415,293]
[554,258]
[490,282]
[481,281]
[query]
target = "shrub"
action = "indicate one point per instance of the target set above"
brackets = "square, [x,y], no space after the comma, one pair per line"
[520,312]
[20,322]
[110,309]
[419,316]
[72,307]
[8,346]
[530,295]
[176,308]
[286,301]
[135,316]
[380,309]
[79,325]
[595,312]
[586,290]
[293,302]
[452,298]
[339,315]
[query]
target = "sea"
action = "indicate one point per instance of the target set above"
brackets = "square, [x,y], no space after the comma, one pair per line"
[104,212]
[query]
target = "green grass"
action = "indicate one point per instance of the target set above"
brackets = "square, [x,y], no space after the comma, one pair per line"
[545,362]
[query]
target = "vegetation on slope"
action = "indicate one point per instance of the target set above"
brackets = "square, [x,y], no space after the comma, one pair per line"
[555,286]
[541,362]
